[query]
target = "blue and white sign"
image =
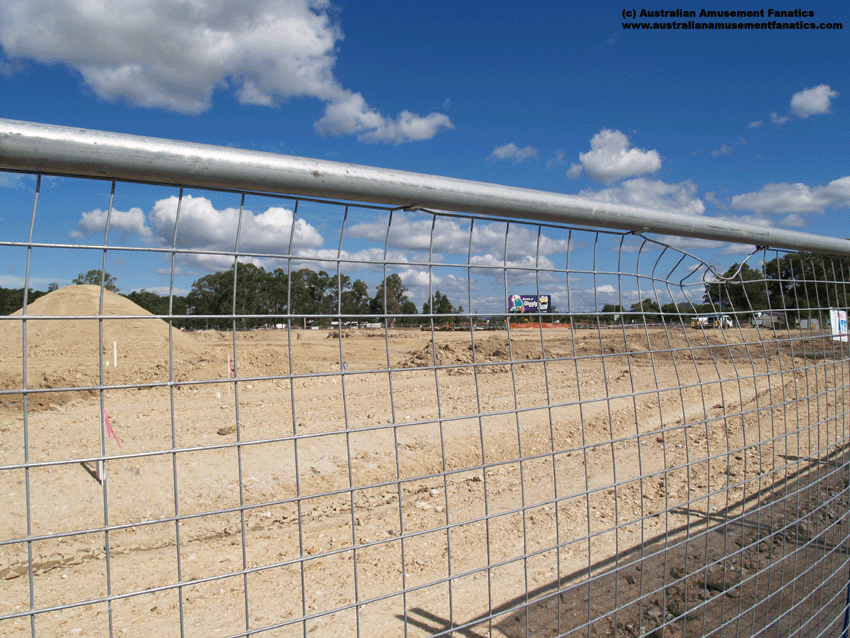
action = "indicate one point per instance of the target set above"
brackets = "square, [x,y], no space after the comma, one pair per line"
[838,322]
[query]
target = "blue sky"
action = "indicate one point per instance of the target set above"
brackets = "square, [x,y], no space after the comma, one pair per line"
[749,125]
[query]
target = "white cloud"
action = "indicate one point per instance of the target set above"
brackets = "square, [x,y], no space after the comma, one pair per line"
[125,223]
[777,119]
[204,227]
[558,159]
[368,259]
[175,55]
[755,124]
[793,220]
[496,262]
[785,198]
[735,249]
[653,194]
[813,101]
[163,291]
[723,150]
[451,237]
[610,158]
[419,278]
[350,115]
[575,170]
[11,180]
[513,153]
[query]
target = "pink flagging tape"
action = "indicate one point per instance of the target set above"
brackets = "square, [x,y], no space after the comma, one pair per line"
[109,429]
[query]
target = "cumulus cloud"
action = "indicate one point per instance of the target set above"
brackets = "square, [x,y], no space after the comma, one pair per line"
[653,194]
[175,55]
[785,198]
[724,149]
[813,101]
[350,115]
[610,158]
[203,227]
[513,153]
[126,223]
[575,170]
[755,124]
[451,237]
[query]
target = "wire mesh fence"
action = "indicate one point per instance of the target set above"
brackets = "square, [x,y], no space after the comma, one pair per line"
[276,451]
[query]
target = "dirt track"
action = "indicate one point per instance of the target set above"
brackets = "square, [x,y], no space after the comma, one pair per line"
[356,486]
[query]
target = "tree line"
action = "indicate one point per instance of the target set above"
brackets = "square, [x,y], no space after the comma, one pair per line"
[798,284]
[795,283]
[306,296]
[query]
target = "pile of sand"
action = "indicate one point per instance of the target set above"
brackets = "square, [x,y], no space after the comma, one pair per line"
[66,353]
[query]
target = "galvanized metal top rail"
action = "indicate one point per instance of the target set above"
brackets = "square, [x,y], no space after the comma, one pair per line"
[32,147]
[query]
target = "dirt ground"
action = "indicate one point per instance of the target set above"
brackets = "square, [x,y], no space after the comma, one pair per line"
[557,482]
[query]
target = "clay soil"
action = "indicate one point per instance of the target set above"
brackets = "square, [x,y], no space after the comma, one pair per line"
[601,482]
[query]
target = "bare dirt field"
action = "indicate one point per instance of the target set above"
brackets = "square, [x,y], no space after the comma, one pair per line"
[663,482]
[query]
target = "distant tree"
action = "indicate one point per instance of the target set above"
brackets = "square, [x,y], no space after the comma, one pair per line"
[150,301]
[93,278]
[158,304]
[610,313]
[441,305]
[213,295]
[739,289]
[803,283]
[53,286]
[391,298]
[12,299]
[312,293]
[676,313]
[649,309]
[355,299]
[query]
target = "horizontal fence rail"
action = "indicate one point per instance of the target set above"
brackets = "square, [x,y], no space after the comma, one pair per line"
[360,402]
[86,153]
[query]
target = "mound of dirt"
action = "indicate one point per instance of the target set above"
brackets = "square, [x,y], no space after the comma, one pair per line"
[66,353]
[494,349]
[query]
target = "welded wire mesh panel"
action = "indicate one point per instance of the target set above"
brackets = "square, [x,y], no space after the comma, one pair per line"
[326,419]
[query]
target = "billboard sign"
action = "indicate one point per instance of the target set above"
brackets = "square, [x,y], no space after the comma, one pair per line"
[838,323]
[529,303]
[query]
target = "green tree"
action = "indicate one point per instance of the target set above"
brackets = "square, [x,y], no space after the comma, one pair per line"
[391,299]
[649,309]
[312,293]
[677,313]
[214,295]
[610,312]
[805,283]
[93,278]
[441,305]
[158,304]
[355,299]
[12,299]
[150,301]
[278,291]
[740,289]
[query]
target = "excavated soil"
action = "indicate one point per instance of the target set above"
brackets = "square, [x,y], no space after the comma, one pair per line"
[601,482]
